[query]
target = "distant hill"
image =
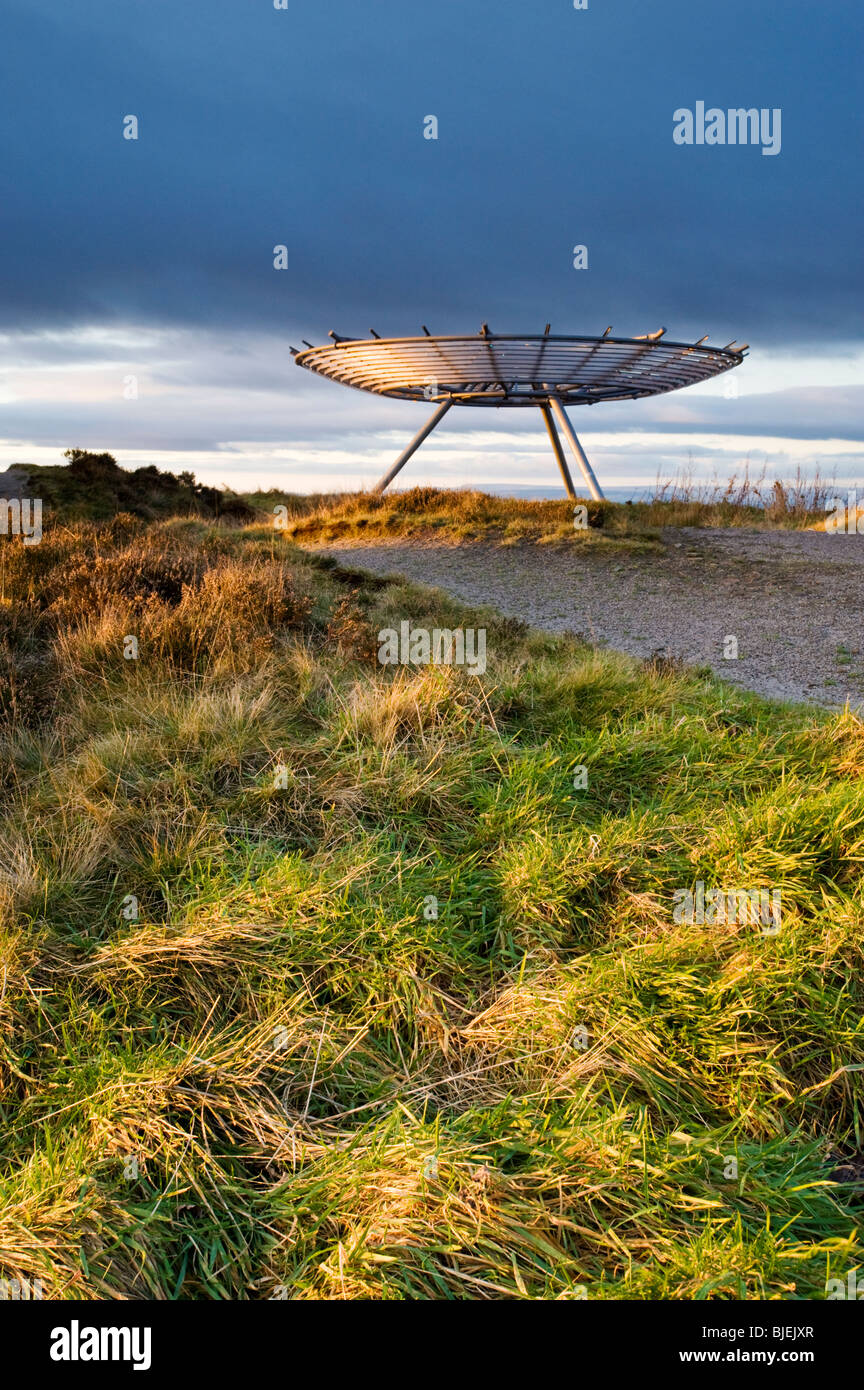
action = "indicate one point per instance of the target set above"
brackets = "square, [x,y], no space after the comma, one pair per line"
[93,487]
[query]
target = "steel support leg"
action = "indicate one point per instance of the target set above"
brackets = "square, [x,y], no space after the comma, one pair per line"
[581,459]
[559,452]
[412,447]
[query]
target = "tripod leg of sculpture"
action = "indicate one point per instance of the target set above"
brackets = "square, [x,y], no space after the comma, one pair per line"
[581,459]
[412,447]
[559,452]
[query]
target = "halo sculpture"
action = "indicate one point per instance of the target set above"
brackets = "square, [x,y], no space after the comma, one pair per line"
[494,369]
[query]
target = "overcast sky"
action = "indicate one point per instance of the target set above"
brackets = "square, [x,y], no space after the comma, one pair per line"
[304,127]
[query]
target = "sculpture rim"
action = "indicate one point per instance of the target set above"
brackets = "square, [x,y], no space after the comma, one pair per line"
[505,370]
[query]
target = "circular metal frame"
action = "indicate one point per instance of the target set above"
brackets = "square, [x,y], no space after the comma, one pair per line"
[493,369]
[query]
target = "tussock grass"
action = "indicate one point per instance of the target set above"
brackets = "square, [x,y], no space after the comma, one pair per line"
[287,1073]
[745,499]
[458,516]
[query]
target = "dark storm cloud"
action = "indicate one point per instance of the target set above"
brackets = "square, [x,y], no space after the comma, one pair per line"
[304,127]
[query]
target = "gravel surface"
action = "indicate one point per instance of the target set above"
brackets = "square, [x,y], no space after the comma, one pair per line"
[793,599]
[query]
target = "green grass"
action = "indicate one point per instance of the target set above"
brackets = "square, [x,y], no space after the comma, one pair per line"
[285,1076]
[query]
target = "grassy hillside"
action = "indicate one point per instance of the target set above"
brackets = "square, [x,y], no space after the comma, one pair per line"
[93,487]
[284,1074]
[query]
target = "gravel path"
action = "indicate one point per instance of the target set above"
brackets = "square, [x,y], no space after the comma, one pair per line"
[793,599]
